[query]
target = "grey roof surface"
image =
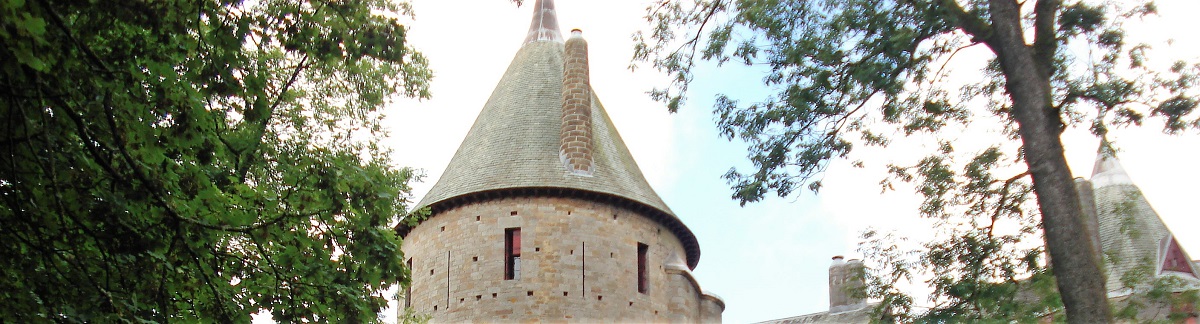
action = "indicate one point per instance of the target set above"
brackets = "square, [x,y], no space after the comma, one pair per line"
[1131,232]
[861,315]
[515,140]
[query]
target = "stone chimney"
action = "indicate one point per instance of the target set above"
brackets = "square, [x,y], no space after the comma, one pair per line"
[575,148]
[846,278]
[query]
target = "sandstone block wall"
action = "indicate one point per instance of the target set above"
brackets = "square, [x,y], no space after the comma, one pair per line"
[578,264]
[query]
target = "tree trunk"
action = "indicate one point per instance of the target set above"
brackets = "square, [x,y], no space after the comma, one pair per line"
[1027,74]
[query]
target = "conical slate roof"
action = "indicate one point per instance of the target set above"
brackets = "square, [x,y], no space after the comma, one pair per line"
[1131,232]
[514,143]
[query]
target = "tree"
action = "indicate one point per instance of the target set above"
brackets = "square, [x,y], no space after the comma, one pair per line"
[170,161]
[857,71]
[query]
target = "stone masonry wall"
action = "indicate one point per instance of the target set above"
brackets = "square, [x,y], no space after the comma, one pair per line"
[458,264]
[711,308]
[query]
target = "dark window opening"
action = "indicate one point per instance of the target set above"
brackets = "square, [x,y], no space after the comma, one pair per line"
[643,284]
[408,290]
[512,253]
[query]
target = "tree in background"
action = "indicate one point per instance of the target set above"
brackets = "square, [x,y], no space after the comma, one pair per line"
[864,72]
[169,161]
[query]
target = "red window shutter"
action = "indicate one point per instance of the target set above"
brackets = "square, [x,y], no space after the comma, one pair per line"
[512,253]
[516,242]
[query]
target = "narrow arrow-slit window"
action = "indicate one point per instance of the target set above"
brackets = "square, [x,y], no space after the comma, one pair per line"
[643,284]
[512,253]
[408,289]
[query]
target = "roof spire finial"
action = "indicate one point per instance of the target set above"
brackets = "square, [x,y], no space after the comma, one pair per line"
[1107,169]
[1105,150]
[544,26]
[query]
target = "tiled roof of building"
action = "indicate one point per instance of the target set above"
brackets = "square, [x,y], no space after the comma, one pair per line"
[515,141]
[1130,231]
[860,315]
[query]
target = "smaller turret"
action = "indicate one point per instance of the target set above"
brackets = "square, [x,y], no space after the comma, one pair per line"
[846,282]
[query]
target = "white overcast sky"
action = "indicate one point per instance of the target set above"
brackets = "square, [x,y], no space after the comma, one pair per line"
[769,259]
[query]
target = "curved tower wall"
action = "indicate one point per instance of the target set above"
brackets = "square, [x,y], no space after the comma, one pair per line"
[579,262]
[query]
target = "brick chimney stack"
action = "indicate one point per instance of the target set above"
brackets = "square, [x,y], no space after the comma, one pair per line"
[576,137]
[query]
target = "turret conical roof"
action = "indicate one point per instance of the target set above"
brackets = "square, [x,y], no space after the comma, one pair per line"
[1131,232]
[514,143]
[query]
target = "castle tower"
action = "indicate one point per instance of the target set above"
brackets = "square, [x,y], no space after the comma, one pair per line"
[542,213]
[1130,232]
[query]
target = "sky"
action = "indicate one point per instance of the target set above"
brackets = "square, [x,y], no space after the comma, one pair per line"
[768,259]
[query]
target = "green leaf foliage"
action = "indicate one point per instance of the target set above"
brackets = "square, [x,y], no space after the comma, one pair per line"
[839,68]
[200,161]
[986,264]
[845,74]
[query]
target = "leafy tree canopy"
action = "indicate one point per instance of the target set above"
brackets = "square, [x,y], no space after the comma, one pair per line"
[853,73]
[204,160]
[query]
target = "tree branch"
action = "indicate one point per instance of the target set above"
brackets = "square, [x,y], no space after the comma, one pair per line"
[87,51]
[980,31]
[1045,42]
[1004,191]
[265,118]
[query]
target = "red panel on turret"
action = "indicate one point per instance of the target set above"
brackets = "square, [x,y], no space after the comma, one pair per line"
[1176,261]
[516,242]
